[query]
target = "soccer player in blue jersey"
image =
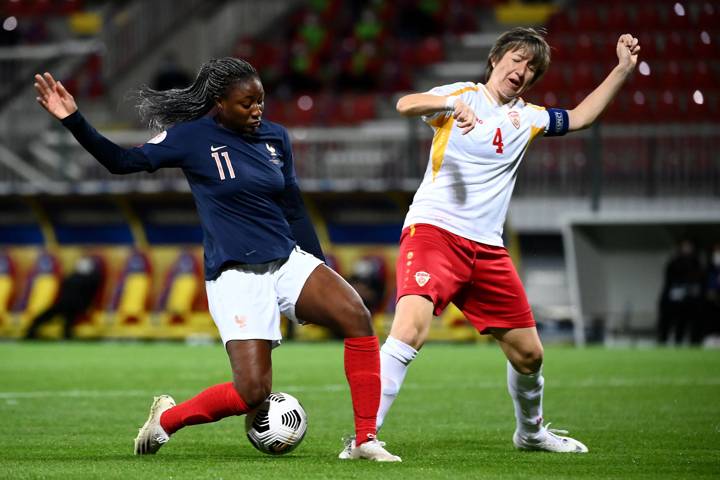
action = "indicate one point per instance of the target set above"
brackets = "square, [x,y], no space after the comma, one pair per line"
[262,256]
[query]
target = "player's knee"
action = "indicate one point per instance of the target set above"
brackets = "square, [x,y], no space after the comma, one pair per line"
[253,392]
[358,320]
[530,361]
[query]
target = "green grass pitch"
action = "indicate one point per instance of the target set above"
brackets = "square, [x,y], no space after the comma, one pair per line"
[72,411]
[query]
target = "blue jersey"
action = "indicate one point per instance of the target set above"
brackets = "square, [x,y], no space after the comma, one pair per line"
[236,181]
[244,186]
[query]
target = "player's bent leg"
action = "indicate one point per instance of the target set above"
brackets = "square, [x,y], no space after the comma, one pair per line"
[251,364]
[327,299]
[408,333]
[252,375]
[411,324]
[525,381]
[151,435]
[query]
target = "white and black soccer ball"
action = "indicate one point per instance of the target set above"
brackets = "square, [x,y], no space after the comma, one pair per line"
[278,425]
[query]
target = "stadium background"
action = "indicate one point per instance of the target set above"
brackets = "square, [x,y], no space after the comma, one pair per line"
[594,216]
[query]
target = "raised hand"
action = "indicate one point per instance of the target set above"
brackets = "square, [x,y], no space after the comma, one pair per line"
[627,50]
[53,97]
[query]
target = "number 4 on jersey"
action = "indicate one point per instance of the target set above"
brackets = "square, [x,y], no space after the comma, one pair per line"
[497,141]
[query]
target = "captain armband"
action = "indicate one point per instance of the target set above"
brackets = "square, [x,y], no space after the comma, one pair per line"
[559,122]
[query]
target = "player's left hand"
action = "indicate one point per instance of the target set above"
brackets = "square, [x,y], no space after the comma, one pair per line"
[464,116]
[627,49]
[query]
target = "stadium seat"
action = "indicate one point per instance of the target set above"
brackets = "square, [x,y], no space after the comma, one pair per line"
[8,288]
[41,290]
[178,312]
[128,315]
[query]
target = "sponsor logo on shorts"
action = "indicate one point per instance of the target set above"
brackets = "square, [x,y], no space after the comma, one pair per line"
[422,278]
[240,321]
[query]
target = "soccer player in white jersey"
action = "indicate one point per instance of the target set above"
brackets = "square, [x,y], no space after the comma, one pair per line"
[451,248]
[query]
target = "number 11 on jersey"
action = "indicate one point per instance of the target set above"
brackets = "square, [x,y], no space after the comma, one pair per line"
[216,157]
[497,141]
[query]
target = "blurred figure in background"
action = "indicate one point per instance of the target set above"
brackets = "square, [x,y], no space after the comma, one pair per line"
[77,292]
[711,305]
[681,295]
[368,278]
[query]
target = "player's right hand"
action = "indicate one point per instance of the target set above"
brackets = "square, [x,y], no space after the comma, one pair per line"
[465,116]
[53,97]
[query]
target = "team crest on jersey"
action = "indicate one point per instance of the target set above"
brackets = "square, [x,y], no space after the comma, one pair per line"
[514,118]
[421,278]
[273,155]
[158,138]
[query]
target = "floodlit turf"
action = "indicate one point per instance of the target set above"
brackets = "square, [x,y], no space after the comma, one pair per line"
[72,410]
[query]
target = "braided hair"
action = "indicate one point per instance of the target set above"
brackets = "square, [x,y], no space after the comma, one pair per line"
[161,109]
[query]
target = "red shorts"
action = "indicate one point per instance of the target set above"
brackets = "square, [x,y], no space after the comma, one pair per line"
[479,279]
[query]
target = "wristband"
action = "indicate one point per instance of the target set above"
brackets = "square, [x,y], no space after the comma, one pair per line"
[450,103]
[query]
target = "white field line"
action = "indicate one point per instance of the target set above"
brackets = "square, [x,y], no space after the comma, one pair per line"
[589,383]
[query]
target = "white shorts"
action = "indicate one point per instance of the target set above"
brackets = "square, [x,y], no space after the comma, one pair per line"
[246,301]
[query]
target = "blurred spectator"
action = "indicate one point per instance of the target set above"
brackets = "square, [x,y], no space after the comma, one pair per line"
[304,69]
[77,292]
[368,28]
[368,279]
[681,296]
[711,313]
[312,32]
[171,74]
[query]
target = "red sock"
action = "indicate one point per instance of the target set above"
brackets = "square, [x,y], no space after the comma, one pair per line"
[362,369]
[210,405]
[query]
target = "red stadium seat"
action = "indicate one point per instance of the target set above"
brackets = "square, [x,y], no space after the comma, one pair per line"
[583,48]
[676,46]
[708,15]
[590,17]
[672,75]
[668,106]
[582,76]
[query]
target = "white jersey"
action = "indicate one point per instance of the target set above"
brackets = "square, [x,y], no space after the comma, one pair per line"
[470,178]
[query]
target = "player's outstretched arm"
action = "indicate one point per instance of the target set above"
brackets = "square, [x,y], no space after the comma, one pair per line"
[594,104]
[417,104]
[53,97]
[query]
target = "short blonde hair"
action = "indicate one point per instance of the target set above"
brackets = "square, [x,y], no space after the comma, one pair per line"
[521,38]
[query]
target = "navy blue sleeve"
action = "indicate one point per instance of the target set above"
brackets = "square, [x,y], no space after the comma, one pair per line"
[300,225]
[293,206]
[113,157]
[559,122]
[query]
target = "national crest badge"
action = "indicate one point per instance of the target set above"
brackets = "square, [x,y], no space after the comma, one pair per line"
[514,118]
[422,278]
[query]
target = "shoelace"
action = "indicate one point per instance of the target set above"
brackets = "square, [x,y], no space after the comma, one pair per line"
[556,431]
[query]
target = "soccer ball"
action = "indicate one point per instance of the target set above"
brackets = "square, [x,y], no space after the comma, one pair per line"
[278,425]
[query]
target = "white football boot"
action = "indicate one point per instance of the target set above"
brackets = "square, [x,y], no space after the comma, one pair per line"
[373,449]
[151,436]
[548,440]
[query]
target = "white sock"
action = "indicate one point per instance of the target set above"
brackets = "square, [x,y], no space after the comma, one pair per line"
[395,357]
[527,394]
